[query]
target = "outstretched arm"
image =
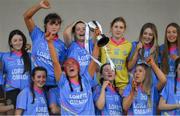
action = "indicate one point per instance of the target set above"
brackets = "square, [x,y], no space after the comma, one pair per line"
[57,66]
[30,12]
[161,76]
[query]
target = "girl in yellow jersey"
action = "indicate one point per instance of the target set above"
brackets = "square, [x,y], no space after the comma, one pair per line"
[118,49]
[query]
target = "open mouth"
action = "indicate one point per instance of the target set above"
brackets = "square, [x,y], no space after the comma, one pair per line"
[71,70]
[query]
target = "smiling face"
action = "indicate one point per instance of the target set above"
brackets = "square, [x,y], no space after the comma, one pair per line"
[16,42]
[71,68]
[147,37]
[139,74]
[79,31]
[39,79]
[107,73]
[171,34]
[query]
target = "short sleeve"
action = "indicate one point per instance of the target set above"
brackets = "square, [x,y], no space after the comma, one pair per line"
[22,99]
[36,34]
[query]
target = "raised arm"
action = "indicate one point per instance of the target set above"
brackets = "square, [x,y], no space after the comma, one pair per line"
[67,34]
[127,101]
[101,100]
[30,12]
[134,59]
[57,66]
[93,65]
[161,76]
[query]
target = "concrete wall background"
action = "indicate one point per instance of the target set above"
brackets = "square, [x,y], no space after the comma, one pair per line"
[135,12]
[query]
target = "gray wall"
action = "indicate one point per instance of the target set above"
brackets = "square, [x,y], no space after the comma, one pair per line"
[135,12]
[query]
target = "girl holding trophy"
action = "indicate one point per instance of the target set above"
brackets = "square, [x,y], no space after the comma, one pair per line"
[75,88]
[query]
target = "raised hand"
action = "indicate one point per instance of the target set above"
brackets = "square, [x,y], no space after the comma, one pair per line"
[45,4]
[139,45]
[150,60]
[134,85]
[49,36]
[105,84]
[174,57]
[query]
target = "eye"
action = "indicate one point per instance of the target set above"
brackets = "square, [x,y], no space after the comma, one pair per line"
[121,27]
[39,76]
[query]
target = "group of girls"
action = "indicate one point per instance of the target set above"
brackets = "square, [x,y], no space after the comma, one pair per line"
[61,78]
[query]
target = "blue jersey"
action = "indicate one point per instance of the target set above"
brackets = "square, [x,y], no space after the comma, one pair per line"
[54,96]
[13,68]
[171,62]
[171,97]
[139,60]
[113,102]
[1,74]
[24,101]
[41,55]
[76,102]
[141,104]
[81,55]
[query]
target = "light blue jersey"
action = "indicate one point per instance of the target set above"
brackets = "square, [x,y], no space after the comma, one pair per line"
[24,101]
[171,62]
[54,96]
[76,102]
[113,102]
[1,74]
[139,60]
[171,97]
[81,55]
[13,68]
[41,55]
[140,104]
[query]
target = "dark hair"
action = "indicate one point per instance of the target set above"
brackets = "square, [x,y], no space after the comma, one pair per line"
[39,68]
[165,52]
[101,71]
[25,56]
[74,28]
[119,19]
[177,62]
[52,18]
[65,70]
[79,79]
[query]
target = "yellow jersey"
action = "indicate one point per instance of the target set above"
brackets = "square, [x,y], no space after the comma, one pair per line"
[118,54]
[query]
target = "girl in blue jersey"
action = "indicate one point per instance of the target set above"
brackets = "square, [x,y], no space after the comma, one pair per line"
[32,100]
[140,95]
[169,103]
[170,50]
[75,88]
[54,103]
[40,51]
[76,48]
[146,46]
[107,99]
[16,65]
